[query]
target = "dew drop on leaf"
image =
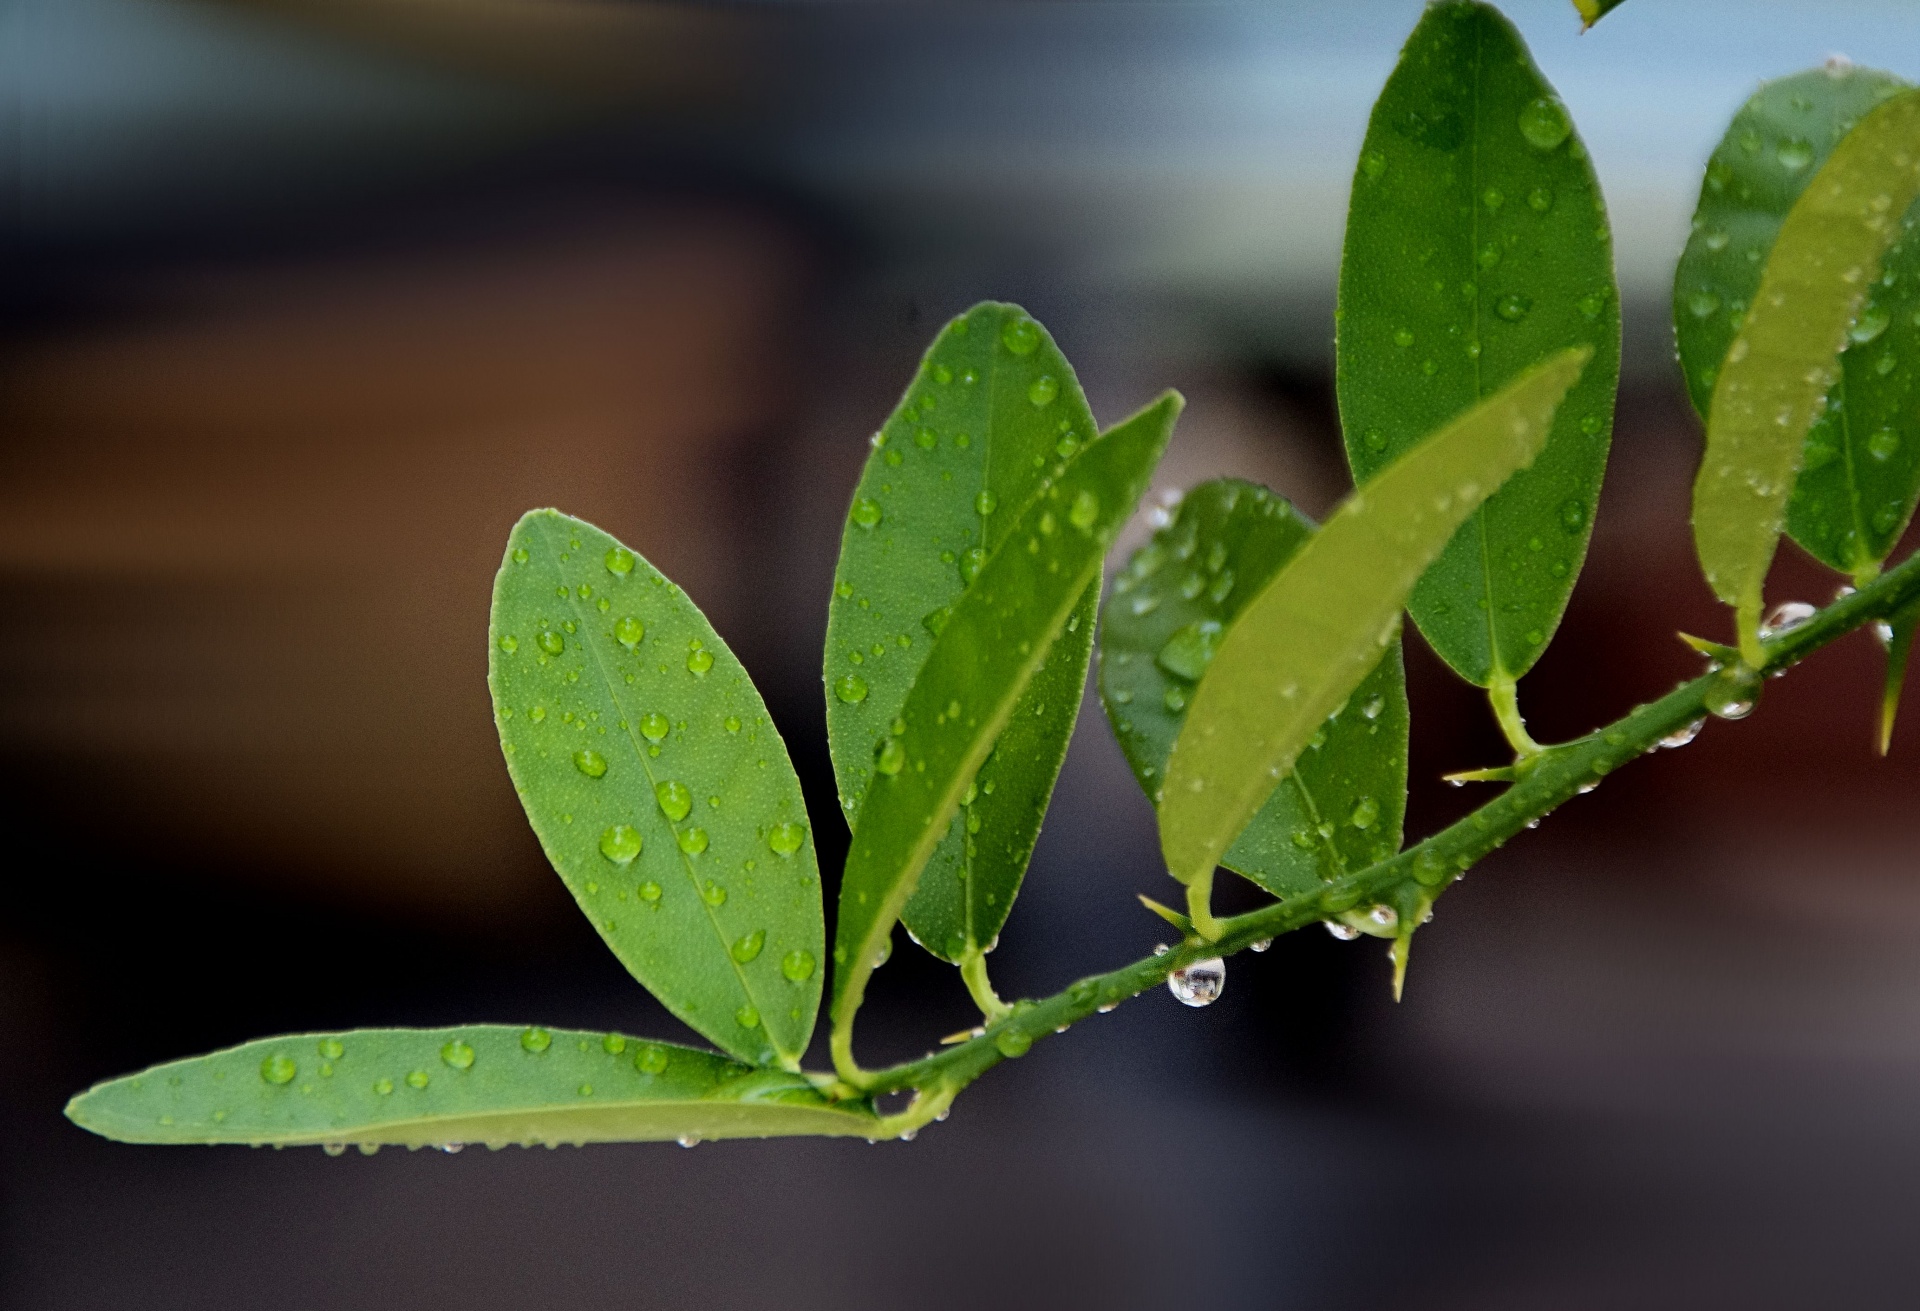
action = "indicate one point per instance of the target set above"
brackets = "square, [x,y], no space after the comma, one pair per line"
[1200,983]
[535,1040]
[590,762]
[674,800]
[797,965]
[851,688]
[278,1069]
[457,1055]
[785,839]
[620,844]
[1544,124]
[619,561]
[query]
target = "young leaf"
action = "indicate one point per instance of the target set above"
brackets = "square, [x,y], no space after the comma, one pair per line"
[1861,465]
[991,412]
[658,786]
[993,642]
[1477,244]
[1342,807]
[1305,643]
[481,1083]
[1785,358]
[1897,636]
[1592,11]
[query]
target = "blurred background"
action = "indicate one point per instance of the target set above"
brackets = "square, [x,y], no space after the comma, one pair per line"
[303,301]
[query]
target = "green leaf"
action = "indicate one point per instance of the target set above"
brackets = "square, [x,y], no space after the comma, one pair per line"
[482,1083]
[1861,465]
[1896,635]
[1477,245]
[1592,11]
[991,412]
[1342,807]
[1305,643]
[658,786]
[993,643]
[1785,357]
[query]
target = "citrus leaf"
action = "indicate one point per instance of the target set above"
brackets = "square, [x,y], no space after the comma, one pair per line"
[1303,645]
[1896,635]
[1785,357]
[991,412]
[658,786]
[990,648]
[481,1083]
[1343,806]
[1860,471]
[1592,11]
[1477,245]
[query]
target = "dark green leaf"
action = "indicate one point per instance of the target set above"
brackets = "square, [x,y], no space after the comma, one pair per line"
[1342,807]
[1785,357]
[1861,466]
[995,639]
[481,1083]
[1477,245]
[1304,644]
[658,786]
[991,412]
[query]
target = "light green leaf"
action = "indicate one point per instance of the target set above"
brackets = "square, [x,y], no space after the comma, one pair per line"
[1477,245]
[1303,645]
[1785,358]
[1592,11]
[1342,807]
[1896,636]
[481,1083]
[993,643]
[658,786]
[991,412]
[1860,473]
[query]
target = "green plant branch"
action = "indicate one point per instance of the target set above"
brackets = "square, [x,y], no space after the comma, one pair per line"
[1411,880]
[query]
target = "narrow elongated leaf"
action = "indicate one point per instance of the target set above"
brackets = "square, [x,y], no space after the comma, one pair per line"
[1785,358]
[992,412]
[481,1083]
[1303,645]
[1860,471]
[1897,637]
[1343,806]
[1477,244]
[988,652]
[1592,11]
[658,786]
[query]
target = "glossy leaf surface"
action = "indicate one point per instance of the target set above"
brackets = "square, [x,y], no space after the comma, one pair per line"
[658,786]
[1785,357]
[483,1083]
[1343,806]
[1305,643]
[992,411]
[1477,245]
[1860,468]
[995,638]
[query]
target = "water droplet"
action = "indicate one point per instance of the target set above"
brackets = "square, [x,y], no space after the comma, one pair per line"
[699,662]
[713,894]
[674,799]
[1190,650]
[649,892]
[1021,335]
[1703,304]
[866,512]
[628,632]
[613,1044]
[747,948]
[620,844]
[747,1017]
[334,1149]
[1794,154]
[418,1079]
[785,838]
[552,643]
[1175,699]
[520,555]
[1682,735]
[457,1055]
[1871,322]
[1259,946]
[619,561]
[278,1069]
[1085,511]
[797,965]
[1513,307]
[1786,617]
[509,644]
[1384,918]
[1373,707]
[1373,164]
[652,1058]
[590,762]
[1012,1044]
[851,689]
[1489,256]
[332,1048]
[1544,124]
[1403,337]
[1573,516]
[1493,198]
[383,1086]
[1200,983]
[535,1040]
[1732,693]
[1884,444]
[1540,199]
[693,841]
[891,757]
[1043,390]
[1366,811]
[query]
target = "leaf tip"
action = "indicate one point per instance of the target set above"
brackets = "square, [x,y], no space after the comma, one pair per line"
[1168,913]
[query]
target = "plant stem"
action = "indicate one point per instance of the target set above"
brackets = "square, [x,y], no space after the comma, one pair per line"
[1412,879]
[973,969]
[1504,693]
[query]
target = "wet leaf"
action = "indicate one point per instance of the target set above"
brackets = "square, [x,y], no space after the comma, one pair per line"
[1786,356]
[995,639]
[993,411]
[1305,643]
[482,1083]
[1477,245]
[1860,471]
[1342,807]
[658,786]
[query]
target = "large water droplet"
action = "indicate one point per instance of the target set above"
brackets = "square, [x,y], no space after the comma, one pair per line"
[785,839]
[628,632]
[332,1049]
[1190,650]
[1085,512]
[1012,1044]
[1732,693]
[535,1040]
[652,1059]
[1021,335]
[891,757]
[509,644]
[614,1043]
[747,948]
[278,1069]
[619,561]
[1786,617]
[1544,123]
[1682,735]
[1043,390]
[1870,324]
[747,1017]
[1342,931]
[1794,154]
[1366,811]
[520,555]
[1513,307]
[1884,444]
[418,1079]
[797,965]
[851,688]
[457,1055]
[1200,983]
[699,662]
[693,841]
[866,512]
[674,799]
[552,643]
[590,762]
[621,844]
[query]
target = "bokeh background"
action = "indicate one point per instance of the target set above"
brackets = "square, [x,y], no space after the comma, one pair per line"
[303,301]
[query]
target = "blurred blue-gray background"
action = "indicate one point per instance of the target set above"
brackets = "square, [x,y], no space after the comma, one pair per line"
[303,301]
